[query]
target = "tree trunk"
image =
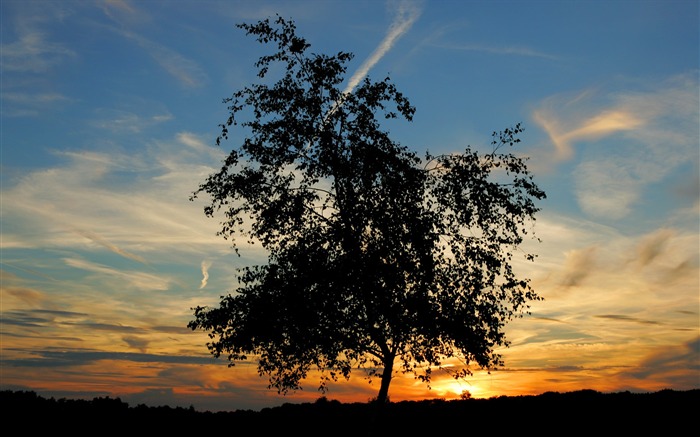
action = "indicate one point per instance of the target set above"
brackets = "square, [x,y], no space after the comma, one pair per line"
[383,395]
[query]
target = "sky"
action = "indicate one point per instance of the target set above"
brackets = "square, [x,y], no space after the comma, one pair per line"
[108,119]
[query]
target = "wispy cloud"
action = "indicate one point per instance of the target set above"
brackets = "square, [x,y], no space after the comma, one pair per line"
[205,273]
[664,363]
[111,6]
[122,121]
[196,144]
[25,295]
[668,112]
[135,342]
[50,358]
[625,318]
[185,70]
[607,188]
[500,50]
[406,13]
[135,279]
[29,43]
[95,204]
[579,264]
[29,104]
[103,242]
[632,139]
[653,246]
[38,99]
[33,52]
[564,133]
[126,15]
[131,204]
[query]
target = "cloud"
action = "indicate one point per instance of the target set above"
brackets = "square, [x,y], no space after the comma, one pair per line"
[122,121]
[102,242]
[564,133]
[32,52]
[185,70]
[653,245]
[616,289]
[63,358]
[196,144]
[623,318]
[27,296]
[126,15]
[132,204]
[662,114]
[205,273]
[501,50]
[108,327]
[29,105]
[134,342]
[122,6]
[58,313]
[632,139]
[607,189]
[139,280]
[579,264]
[689,188]
[88,221]
[38,99]
[406,13]
[673,365]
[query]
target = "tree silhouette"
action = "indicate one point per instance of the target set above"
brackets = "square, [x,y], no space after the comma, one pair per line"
[377,259]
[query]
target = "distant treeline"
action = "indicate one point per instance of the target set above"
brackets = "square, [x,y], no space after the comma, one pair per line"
[550,413]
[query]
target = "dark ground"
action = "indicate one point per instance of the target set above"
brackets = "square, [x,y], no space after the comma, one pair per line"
[666,412]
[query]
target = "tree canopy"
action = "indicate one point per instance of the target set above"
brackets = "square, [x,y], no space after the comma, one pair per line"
[378,259]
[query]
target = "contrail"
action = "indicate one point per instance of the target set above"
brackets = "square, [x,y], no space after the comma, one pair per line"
[205,273]
[406,15]
[103,242]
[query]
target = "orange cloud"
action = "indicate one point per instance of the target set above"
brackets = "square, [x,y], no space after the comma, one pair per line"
[595,127]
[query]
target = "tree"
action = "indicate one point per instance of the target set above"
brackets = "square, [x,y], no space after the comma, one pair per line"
[376,257]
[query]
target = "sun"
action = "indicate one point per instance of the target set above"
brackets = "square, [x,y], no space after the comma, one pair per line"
[457,389]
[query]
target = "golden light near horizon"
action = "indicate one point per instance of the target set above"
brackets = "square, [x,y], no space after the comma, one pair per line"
[457,390]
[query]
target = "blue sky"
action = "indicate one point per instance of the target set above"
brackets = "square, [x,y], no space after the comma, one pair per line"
[108,119]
